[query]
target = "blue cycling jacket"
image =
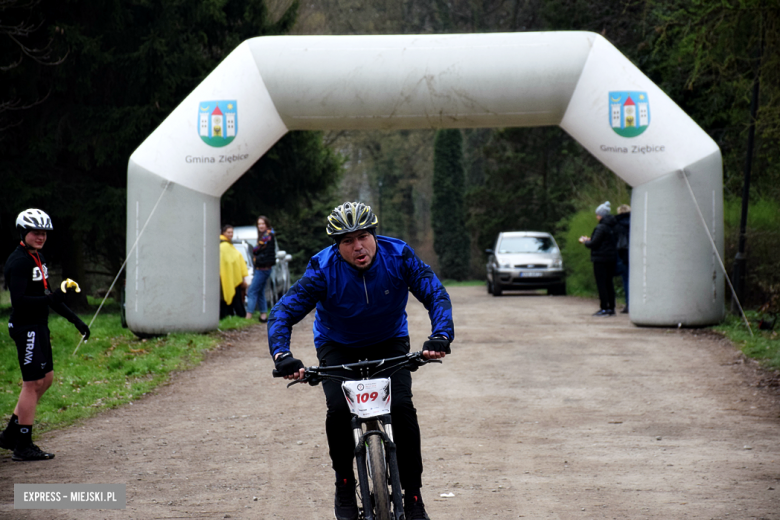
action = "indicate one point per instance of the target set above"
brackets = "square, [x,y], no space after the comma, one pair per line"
[359,308]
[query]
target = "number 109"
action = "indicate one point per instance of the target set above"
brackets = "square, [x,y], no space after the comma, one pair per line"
[364,398]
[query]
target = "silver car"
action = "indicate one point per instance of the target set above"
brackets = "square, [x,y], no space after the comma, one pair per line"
[244,239]
[525,260]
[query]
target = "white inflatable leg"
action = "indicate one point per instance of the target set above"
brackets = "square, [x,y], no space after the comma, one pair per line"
[674,274]
[173,273]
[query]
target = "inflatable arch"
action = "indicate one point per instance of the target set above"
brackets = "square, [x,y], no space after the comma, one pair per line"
[270,85]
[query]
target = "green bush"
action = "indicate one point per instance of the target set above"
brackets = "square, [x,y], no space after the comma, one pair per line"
[762,246]
[576,257]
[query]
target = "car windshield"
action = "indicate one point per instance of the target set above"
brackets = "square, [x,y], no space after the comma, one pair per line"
[510,245]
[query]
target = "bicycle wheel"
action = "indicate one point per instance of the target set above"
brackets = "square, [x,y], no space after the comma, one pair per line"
[378,467]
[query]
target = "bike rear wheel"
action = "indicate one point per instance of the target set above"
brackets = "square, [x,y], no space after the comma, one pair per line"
[378,466]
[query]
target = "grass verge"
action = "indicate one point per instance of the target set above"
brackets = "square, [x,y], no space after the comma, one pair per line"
[763,346]
[111,369]
[465,283]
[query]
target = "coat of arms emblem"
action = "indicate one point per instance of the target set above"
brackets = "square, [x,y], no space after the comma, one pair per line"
[218,122]
[629,112]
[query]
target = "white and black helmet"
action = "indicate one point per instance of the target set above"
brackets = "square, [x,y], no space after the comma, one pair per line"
[349,217]
[32,219]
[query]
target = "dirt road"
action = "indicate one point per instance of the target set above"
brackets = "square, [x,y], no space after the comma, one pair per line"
[542,412]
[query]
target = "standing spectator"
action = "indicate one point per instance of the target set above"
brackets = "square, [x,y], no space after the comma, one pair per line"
[26,276]
[264,259]
[232,270]
[623,229]
[603,254]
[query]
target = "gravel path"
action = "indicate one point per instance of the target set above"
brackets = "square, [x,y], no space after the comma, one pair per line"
[542,412]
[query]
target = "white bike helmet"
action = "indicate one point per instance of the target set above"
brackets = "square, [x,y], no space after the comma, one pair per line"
[349,217]
[31,219]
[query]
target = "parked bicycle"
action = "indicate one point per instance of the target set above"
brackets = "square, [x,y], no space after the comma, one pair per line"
[379,487]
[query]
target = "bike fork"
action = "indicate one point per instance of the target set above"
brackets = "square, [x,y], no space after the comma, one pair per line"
[392,468]
[362,472]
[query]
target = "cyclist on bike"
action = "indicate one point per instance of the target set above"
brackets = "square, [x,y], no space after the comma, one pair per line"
[26,275]
[359,287]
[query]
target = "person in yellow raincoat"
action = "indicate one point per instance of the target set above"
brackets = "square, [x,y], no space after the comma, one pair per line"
[232,271]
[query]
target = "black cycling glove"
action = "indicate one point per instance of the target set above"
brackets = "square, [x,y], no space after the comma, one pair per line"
[82,327]
[287,365]
[438,344]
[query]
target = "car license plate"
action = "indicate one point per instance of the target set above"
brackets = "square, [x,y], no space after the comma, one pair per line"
[530,275]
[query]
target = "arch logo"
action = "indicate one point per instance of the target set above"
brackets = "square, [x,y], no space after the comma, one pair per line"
[218,122]
[629,112]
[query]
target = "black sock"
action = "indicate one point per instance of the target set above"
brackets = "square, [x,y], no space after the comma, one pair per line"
[25,435]
[345,479]
[12,424]
[411,496]
[12,429]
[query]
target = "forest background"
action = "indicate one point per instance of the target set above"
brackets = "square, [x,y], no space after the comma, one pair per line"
[85,82]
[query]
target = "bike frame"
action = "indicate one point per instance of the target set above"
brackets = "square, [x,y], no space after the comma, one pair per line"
[378,426]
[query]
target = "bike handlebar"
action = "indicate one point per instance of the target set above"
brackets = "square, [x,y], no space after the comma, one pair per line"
[315,374]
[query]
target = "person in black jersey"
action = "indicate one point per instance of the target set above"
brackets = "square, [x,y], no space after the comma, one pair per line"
[26,276]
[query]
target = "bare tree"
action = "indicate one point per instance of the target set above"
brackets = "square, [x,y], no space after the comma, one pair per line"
[22,39]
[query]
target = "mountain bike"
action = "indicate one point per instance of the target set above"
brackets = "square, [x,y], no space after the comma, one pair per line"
[368,396]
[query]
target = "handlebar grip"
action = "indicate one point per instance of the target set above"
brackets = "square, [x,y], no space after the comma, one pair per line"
[276,373]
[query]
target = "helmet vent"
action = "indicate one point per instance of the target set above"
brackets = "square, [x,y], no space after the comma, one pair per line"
[349,217]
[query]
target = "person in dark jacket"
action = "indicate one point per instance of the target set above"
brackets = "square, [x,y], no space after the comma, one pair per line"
[26,276]
[603,253]
[360,287]
[264,259]
[623,229]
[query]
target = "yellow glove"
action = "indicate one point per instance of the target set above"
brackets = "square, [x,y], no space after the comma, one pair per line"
[68,283]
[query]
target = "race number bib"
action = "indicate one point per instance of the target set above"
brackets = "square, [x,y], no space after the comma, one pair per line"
[368,398]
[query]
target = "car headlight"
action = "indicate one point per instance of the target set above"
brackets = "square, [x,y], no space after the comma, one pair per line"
[557,264]
[505,266]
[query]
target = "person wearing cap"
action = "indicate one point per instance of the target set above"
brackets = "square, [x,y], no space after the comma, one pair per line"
[603,253]
[359,287]
[27,277]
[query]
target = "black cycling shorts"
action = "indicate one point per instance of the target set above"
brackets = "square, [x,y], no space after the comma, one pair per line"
[33,346]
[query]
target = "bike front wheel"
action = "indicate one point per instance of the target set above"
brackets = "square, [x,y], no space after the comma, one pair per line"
[378,466]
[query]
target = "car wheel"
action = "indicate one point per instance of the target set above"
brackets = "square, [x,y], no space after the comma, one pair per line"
[489,287]
[557,290]
[497,291]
